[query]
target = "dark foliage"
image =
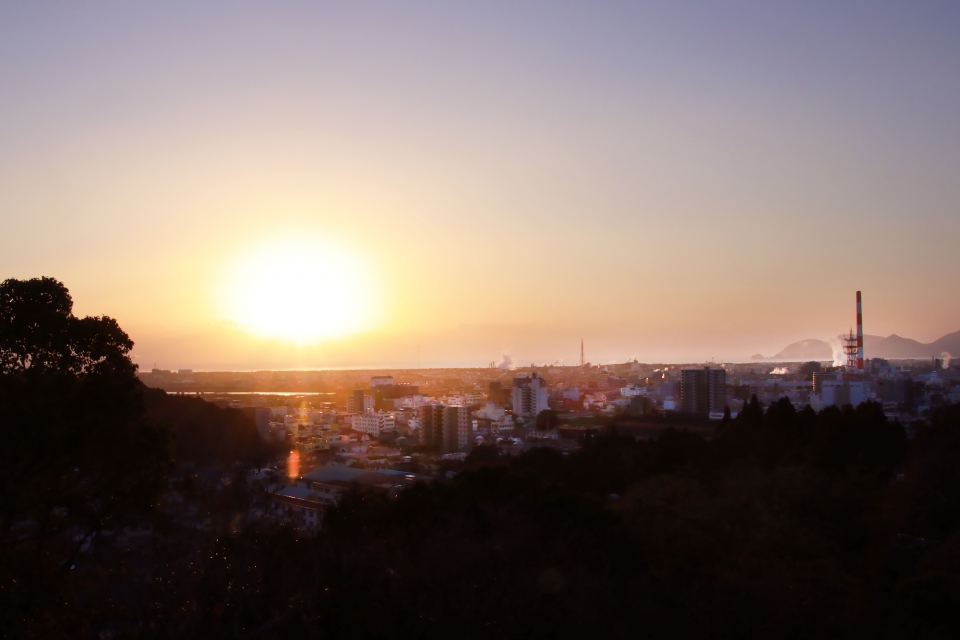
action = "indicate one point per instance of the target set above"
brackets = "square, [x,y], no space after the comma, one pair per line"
[77,454]
[547,419]
[675,537]
[204,433]
[834,439]
[39,334]
[483,455]
[672,537]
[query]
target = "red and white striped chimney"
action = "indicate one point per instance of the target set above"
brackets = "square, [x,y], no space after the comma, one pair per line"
[859,333]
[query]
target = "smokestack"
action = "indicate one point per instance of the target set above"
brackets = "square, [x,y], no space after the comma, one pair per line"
[859,333]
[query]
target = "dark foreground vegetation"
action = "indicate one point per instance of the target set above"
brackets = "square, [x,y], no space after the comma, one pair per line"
[786,524]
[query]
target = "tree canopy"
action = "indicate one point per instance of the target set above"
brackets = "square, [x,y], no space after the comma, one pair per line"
[40,334]
[204,433]
[77,453]
[753,533]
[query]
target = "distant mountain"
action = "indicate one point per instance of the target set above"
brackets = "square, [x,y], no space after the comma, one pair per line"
[892,347]
[949,343]
[896,347]
[806,350]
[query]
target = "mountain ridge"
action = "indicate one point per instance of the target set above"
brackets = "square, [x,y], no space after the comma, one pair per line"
[892,347]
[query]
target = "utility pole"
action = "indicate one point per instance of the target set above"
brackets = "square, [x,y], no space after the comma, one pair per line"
[581,352]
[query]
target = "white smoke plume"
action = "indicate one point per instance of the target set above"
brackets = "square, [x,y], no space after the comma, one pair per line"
[945,359]
[506,361]
[839,358]
[780,371]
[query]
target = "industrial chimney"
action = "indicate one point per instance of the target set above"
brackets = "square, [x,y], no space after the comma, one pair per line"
[859,333]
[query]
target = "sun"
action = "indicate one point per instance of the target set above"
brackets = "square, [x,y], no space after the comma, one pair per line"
[298,291]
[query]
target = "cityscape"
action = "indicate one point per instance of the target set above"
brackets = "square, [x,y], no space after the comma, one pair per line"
[479,320]
[412,424]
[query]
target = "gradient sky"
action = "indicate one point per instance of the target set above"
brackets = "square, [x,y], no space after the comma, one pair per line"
[668,181]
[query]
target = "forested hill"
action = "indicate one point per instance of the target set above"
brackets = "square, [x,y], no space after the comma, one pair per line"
[203,432]
[786,523]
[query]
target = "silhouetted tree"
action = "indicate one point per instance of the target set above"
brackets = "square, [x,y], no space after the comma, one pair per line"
[76,455]
[482,455]
[726,417]
[547,419]
[205,433]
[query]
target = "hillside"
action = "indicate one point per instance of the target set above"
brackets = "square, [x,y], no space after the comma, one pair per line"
[949,343]
[806,350]
[205,433]
[895,347]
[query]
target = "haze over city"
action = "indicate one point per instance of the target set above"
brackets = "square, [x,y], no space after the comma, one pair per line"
[319,186]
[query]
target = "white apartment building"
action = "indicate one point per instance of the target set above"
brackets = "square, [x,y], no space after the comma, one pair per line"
[632,391]
[841,392]
[373,424]
[530,395]
[467,399]
[412,402]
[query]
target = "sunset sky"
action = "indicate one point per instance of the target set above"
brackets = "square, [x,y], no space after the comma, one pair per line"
[296,185]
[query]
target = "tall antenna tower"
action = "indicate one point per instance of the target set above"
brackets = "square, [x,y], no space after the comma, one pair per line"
[581,352]
[850,349]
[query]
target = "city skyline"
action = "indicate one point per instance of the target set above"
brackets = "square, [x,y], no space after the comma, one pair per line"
[671,183]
